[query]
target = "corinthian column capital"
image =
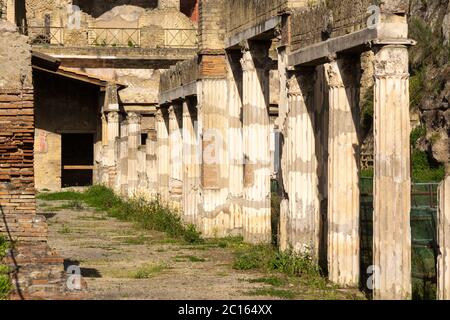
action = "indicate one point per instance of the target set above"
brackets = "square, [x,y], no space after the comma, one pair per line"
[391,61]
[133,118]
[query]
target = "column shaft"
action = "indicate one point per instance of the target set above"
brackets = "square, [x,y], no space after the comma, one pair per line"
[235,149]
[217,220]
[392,187]
[443,265]
[163,156]
[176,153]
[343,172]
[299,227]
[256,123]
[134,137]
[191,163]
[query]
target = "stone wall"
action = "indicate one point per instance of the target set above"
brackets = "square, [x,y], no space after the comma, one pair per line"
[212,25]
[181,74]
[314,24]
[248,13]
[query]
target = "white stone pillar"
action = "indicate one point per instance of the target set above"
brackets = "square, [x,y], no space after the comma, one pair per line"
[343,172]
[112,133]
[443,263]
[163,155]
[123,156]
[152,165]
[176,154]
[217,220]
[299,228]
[235,145]
[392,187]
[256,123]
[134,137]
[191,163]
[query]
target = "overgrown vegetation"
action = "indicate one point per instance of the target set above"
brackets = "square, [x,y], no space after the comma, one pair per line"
[5,282]
[424,169]
[270,259]
[147,214]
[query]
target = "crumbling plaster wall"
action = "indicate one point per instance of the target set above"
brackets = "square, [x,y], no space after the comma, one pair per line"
[62,106]
[15,59]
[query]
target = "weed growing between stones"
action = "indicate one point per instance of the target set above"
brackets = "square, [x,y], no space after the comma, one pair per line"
[5,282]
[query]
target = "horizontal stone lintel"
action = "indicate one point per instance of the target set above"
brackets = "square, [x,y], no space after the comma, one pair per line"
[353,43]
[253,32]
[178,93]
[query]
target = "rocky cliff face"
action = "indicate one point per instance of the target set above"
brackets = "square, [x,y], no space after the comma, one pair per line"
[429,22]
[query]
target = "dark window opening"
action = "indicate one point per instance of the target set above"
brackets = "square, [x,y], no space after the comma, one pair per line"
[144,137]
[77,157]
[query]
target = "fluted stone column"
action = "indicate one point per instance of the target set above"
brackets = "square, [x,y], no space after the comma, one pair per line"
[113,131]
[123,156]
[343,172]
[151,164]
[134,135]
[163,155]
[392,187]
[256,123]
[443,265]
[176,154]
[300,208]
[213,124]
[235,145]
[191,163]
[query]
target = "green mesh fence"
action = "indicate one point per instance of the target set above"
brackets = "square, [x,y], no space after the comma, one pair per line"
[423,236]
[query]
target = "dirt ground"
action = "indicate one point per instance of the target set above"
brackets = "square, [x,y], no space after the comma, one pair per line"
[120,261]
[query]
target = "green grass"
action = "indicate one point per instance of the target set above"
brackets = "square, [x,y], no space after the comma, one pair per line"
[64,230]
[273,281]
[189,258]
[151,215]
[149,271]
[55,196]
[269,259]
[272,292]
[5,282]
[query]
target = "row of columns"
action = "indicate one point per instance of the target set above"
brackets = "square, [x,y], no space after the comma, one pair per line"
[233,191]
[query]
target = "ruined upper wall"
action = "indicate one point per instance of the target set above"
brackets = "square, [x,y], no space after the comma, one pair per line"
[314,24]
[15,59]
[331,19]
[244,14]
[179,75]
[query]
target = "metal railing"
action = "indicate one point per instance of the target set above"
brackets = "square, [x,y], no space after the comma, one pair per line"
[114,37]
[180,37]
[111,37]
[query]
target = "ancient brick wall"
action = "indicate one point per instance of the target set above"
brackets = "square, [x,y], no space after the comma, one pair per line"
[17,197]
[39,270]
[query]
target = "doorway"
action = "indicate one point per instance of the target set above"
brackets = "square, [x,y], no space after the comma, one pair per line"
[77,156]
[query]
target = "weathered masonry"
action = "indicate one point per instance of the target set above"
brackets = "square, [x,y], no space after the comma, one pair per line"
[208,108]
[314,54]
